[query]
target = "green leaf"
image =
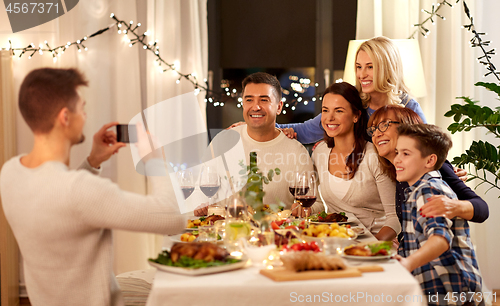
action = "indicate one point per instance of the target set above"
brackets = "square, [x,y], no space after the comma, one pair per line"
[449,113]
[270,174]
[278,171]
[453,127]
[490,86]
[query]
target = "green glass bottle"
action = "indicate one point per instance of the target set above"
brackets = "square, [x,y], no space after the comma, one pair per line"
[255,178]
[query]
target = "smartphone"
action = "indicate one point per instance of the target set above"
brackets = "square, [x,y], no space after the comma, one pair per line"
[126,133]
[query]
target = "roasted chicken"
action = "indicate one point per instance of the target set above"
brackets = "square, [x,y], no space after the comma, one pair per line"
[358,251]
[198,250]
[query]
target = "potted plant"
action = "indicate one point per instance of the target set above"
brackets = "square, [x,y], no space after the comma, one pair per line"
[483,155]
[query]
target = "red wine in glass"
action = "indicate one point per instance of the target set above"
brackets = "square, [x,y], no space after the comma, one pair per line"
[300,190]
[209,190]
[187,191]
[306,201]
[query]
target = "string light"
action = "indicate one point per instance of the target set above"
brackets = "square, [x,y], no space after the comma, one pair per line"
[433,13]
[477,41]
[131,37]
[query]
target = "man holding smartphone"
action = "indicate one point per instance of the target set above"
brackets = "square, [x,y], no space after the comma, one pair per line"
[62,219]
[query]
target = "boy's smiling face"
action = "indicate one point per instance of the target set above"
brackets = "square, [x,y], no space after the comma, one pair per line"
[409,162]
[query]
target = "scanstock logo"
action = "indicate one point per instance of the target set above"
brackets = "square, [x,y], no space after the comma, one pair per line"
[27,14]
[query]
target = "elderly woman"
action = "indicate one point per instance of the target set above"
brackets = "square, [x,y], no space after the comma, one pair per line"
[383,131]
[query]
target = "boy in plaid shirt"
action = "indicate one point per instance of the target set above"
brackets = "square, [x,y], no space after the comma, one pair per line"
[436,250]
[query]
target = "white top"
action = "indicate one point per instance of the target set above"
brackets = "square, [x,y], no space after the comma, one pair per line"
[62,221]
[282,152]
[339,186]
[370,197]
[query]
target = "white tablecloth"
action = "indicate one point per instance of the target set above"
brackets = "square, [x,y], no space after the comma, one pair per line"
[394,286]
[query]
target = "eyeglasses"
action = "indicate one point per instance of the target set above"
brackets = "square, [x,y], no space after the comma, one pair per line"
[382,127]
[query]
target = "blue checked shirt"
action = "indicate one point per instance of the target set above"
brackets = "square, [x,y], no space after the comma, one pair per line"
[455,270]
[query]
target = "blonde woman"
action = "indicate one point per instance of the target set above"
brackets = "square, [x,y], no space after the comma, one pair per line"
[379,81]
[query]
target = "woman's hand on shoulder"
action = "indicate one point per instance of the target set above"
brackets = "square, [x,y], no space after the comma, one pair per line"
[461,173]
[442,206]
[235,125]
[290,133]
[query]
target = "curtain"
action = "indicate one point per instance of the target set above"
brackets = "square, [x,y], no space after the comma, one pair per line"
[450,69]
[116,90]
[9,252]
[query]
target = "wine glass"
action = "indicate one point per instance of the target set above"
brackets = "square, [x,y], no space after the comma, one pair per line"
[185,178]
[292,184]
[306,191]
[209,185]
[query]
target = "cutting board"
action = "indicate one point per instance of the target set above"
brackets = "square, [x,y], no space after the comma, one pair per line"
[283,275]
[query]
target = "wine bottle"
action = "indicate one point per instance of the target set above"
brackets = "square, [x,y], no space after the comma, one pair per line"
[255,178]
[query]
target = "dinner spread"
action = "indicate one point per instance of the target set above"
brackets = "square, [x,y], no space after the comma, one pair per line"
[202,221]
[329,230]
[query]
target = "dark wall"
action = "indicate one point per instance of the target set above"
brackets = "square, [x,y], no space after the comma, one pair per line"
[268,33]
[260,34]
[344,29]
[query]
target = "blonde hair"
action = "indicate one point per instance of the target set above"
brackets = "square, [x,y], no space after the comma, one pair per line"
[387,70]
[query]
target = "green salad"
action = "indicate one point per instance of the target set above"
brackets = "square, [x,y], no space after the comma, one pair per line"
[187,262]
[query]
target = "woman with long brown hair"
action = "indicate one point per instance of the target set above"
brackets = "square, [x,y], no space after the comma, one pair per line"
[349,164]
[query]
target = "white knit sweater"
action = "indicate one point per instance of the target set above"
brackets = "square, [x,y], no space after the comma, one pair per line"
[371,195]
[62,220]
[281,152]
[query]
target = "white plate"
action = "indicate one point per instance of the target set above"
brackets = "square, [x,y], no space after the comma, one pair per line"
[329,223]
[176,238]
[191,229]
[359,230]
[366,257]
[199,271]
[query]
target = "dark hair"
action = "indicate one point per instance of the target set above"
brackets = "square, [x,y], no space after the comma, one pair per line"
[403,115]
[44,92]
[430,140]
[351,94]
[264,78]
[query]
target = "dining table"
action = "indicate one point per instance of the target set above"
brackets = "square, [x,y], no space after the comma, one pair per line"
[392,285]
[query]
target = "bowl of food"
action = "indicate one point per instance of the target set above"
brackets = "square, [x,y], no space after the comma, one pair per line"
[330,236]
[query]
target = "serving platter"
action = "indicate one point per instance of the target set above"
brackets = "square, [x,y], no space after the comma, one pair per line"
[329,223]
[367,258]
[199,271]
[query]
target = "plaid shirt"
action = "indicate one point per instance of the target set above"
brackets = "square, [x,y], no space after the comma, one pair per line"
[455,270]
